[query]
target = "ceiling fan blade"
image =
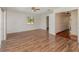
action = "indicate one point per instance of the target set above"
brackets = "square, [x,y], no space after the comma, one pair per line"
[33,8]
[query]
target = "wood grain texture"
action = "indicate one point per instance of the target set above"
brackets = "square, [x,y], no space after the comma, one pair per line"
[66,34]
[38,41]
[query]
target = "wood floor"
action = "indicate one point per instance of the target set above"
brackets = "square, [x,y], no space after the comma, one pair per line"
[66,34]
[38,41]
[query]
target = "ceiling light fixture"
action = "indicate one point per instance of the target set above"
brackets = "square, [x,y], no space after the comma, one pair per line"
[34,9]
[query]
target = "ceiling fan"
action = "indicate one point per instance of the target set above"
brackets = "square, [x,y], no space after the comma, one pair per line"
[34,9]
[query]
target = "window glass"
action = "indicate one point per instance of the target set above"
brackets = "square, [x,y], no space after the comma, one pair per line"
[30,20]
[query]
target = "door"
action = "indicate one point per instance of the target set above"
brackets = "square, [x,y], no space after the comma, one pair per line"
[47,18]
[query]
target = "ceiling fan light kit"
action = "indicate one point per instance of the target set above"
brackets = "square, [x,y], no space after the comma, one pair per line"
[34,9]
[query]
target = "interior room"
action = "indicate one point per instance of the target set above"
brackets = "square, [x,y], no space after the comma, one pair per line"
[39,29]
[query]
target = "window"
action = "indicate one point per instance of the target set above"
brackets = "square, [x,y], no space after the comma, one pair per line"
[30,20]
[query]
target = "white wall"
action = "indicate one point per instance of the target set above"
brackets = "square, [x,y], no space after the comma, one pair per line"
[51,22]
[2,24]
[74,19]
[5,23]
[0,27]
[43,22]
[78,26]
[16,22]
[2,37]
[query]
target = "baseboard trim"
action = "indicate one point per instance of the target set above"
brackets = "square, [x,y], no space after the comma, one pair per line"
[52,33]
[73,34]
[21,31]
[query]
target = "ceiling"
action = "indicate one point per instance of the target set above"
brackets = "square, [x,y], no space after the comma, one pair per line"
[29,9]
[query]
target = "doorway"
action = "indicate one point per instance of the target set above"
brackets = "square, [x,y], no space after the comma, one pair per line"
[66,24]
[47,23]
[63,26]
